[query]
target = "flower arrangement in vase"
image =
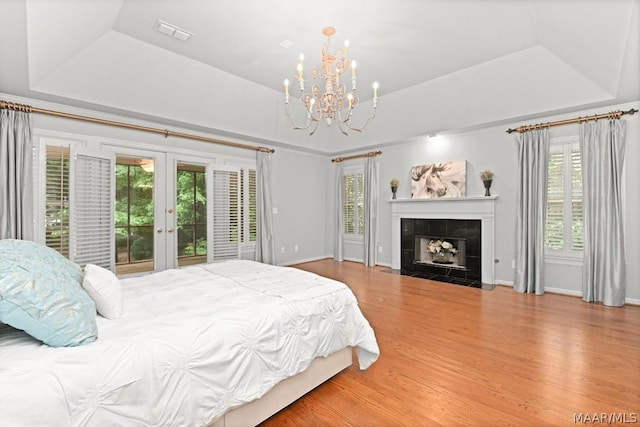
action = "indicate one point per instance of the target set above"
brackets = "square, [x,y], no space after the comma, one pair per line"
[487,178]
[394,186]
[441,251]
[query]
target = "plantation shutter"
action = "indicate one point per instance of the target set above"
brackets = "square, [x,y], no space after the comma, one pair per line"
[348,204]
[248,205]
[577,232]
[360,203]
[252,205]
[353,202]
[92,198]
[57,199]
[225,224]
[554,230]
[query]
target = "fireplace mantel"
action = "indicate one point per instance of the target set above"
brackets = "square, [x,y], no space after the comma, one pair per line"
[481,207]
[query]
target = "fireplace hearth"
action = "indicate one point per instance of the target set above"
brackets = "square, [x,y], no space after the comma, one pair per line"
[464,268]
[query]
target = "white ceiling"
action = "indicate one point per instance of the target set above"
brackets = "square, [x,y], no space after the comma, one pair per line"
[442,65]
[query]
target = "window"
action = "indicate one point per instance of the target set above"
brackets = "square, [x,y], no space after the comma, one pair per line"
[247,204]
[75,201]
[134,214]
[57,198]
[564,227]
[353,202]
[191,211]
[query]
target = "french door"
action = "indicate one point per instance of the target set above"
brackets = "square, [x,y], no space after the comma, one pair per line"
[173,210]
[140,211]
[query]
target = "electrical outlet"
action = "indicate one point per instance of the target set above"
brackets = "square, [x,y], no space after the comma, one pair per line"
[379,249]
[282,249]
[296,248]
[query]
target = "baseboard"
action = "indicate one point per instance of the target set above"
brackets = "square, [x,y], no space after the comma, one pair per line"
[560,291]
[302,261]
[504,283]
[563,291]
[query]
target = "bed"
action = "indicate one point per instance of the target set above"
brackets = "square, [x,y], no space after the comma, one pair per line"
[218,344]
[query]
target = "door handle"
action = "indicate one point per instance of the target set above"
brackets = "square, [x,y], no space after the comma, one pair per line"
[169,230]
[159,230]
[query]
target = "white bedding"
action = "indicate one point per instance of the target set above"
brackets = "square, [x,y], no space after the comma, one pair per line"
[191,344]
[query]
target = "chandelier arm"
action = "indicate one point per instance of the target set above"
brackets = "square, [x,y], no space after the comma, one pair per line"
[371,116]
[344,127]
[315,128]
[293,121]
[347,119]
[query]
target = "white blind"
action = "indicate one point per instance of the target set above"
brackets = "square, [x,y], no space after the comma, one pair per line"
[92,232]
[353,203]
[348,204]
[577,231]
[226,214]
[564,226]
[57,199]
[554,230]
[252,205]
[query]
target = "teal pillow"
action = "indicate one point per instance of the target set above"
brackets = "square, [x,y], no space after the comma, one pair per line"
[41,293]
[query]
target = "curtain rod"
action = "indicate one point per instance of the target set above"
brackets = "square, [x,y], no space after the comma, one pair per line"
[29,109]
[357,156]
[610,115]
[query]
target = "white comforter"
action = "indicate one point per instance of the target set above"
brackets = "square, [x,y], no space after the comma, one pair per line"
[192,344]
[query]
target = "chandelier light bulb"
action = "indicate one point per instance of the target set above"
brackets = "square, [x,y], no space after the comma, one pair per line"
[375,89]
[353,69]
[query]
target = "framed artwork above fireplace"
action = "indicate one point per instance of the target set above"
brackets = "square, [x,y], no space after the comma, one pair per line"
[439,180]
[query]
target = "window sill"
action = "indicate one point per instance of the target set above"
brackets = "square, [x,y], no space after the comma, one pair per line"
[564,259]
[356,238]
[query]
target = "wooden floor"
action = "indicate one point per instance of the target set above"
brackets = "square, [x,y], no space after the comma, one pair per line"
[453,355]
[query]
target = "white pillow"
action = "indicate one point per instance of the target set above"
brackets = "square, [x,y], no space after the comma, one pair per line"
[105,290]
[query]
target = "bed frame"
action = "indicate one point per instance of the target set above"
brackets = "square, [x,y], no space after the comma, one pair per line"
[286,392]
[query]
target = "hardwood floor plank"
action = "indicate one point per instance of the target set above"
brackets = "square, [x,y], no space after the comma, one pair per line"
[454,355]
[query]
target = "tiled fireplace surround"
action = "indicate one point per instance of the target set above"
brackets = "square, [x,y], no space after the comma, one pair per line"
[469,214]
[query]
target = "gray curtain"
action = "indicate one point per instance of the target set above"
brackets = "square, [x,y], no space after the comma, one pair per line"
[602,147]
[533,158]
[16,176]
[338,253]
[370,210]
[265,245]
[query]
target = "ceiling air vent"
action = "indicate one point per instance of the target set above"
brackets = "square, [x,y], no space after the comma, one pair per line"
[172,31]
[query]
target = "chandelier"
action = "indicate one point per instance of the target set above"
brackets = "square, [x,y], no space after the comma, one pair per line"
[328,98]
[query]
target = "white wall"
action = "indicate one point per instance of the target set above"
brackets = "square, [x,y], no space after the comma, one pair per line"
[300,191]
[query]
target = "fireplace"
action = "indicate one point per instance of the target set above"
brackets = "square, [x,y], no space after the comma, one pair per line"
[421,239]
[466,222]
